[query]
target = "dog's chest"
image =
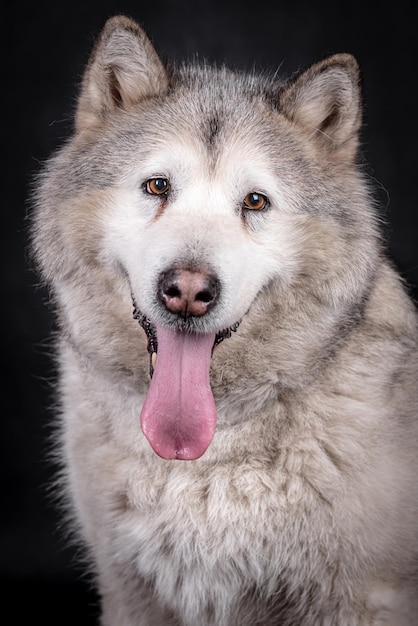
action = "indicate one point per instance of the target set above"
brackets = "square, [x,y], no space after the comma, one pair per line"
[246,505]
[207,533]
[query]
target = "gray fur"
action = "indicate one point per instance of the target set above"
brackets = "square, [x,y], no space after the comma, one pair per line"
[303,510]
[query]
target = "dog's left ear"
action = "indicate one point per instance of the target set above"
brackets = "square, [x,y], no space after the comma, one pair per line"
[325,102]
[123,69]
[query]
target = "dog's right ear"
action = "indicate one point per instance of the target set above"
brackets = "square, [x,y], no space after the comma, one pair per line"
[123,69]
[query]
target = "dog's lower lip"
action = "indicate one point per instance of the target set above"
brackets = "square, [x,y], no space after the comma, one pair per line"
[151,334]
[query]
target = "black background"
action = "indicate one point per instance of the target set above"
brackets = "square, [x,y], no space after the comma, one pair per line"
[45,46]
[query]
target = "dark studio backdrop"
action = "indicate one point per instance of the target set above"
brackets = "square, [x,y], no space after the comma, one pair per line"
[45,47]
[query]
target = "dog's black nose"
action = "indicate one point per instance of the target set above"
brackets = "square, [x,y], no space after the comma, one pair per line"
[189,293]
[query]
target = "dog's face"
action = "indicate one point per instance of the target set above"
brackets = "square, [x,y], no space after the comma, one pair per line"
[201,226]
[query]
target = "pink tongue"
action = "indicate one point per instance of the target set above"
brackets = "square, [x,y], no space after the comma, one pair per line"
[179,415]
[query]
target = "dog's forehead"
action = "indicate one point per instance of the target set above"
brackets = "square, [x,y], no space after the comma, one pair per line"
[212,132]
[210,148]
[214,105]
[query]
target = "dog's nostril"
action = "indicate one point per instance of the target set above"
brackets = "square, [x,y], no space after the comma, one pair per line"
[205,296]
[188,293]
[173,292]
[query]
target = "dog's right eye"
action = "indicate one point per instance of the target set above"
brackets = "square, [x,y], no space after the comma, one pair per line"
[157,186]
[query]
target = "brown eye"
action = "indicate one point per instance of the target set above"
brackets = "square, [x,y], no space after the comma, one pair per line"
[255,201]
[157,186]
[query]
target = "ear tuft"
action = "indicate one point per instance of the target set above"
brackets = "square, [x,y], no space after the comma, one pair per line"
[123,69]
[325,102]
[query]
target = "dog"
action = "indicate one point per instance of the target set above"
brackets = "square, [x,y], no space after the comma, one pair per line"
[237,353]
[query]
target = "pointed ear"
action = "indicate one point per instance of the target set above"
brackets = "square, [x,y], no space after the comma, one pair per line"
[325,101]
[123,69]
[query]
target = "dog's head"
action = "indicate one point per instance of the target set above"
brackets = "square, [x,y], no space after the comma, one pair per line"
[201,187]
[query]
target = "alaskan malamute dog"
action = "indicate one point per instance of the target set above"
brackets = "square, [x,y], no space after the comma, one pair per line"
[238,358]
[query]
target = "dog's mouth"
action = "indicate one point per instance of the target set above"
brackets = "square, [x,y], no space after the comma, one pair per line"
[179,416]
[151,333]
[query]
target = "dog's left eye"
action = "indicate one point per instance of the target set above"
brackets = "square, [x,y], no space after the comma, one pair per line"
[157,186]
[255,201]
